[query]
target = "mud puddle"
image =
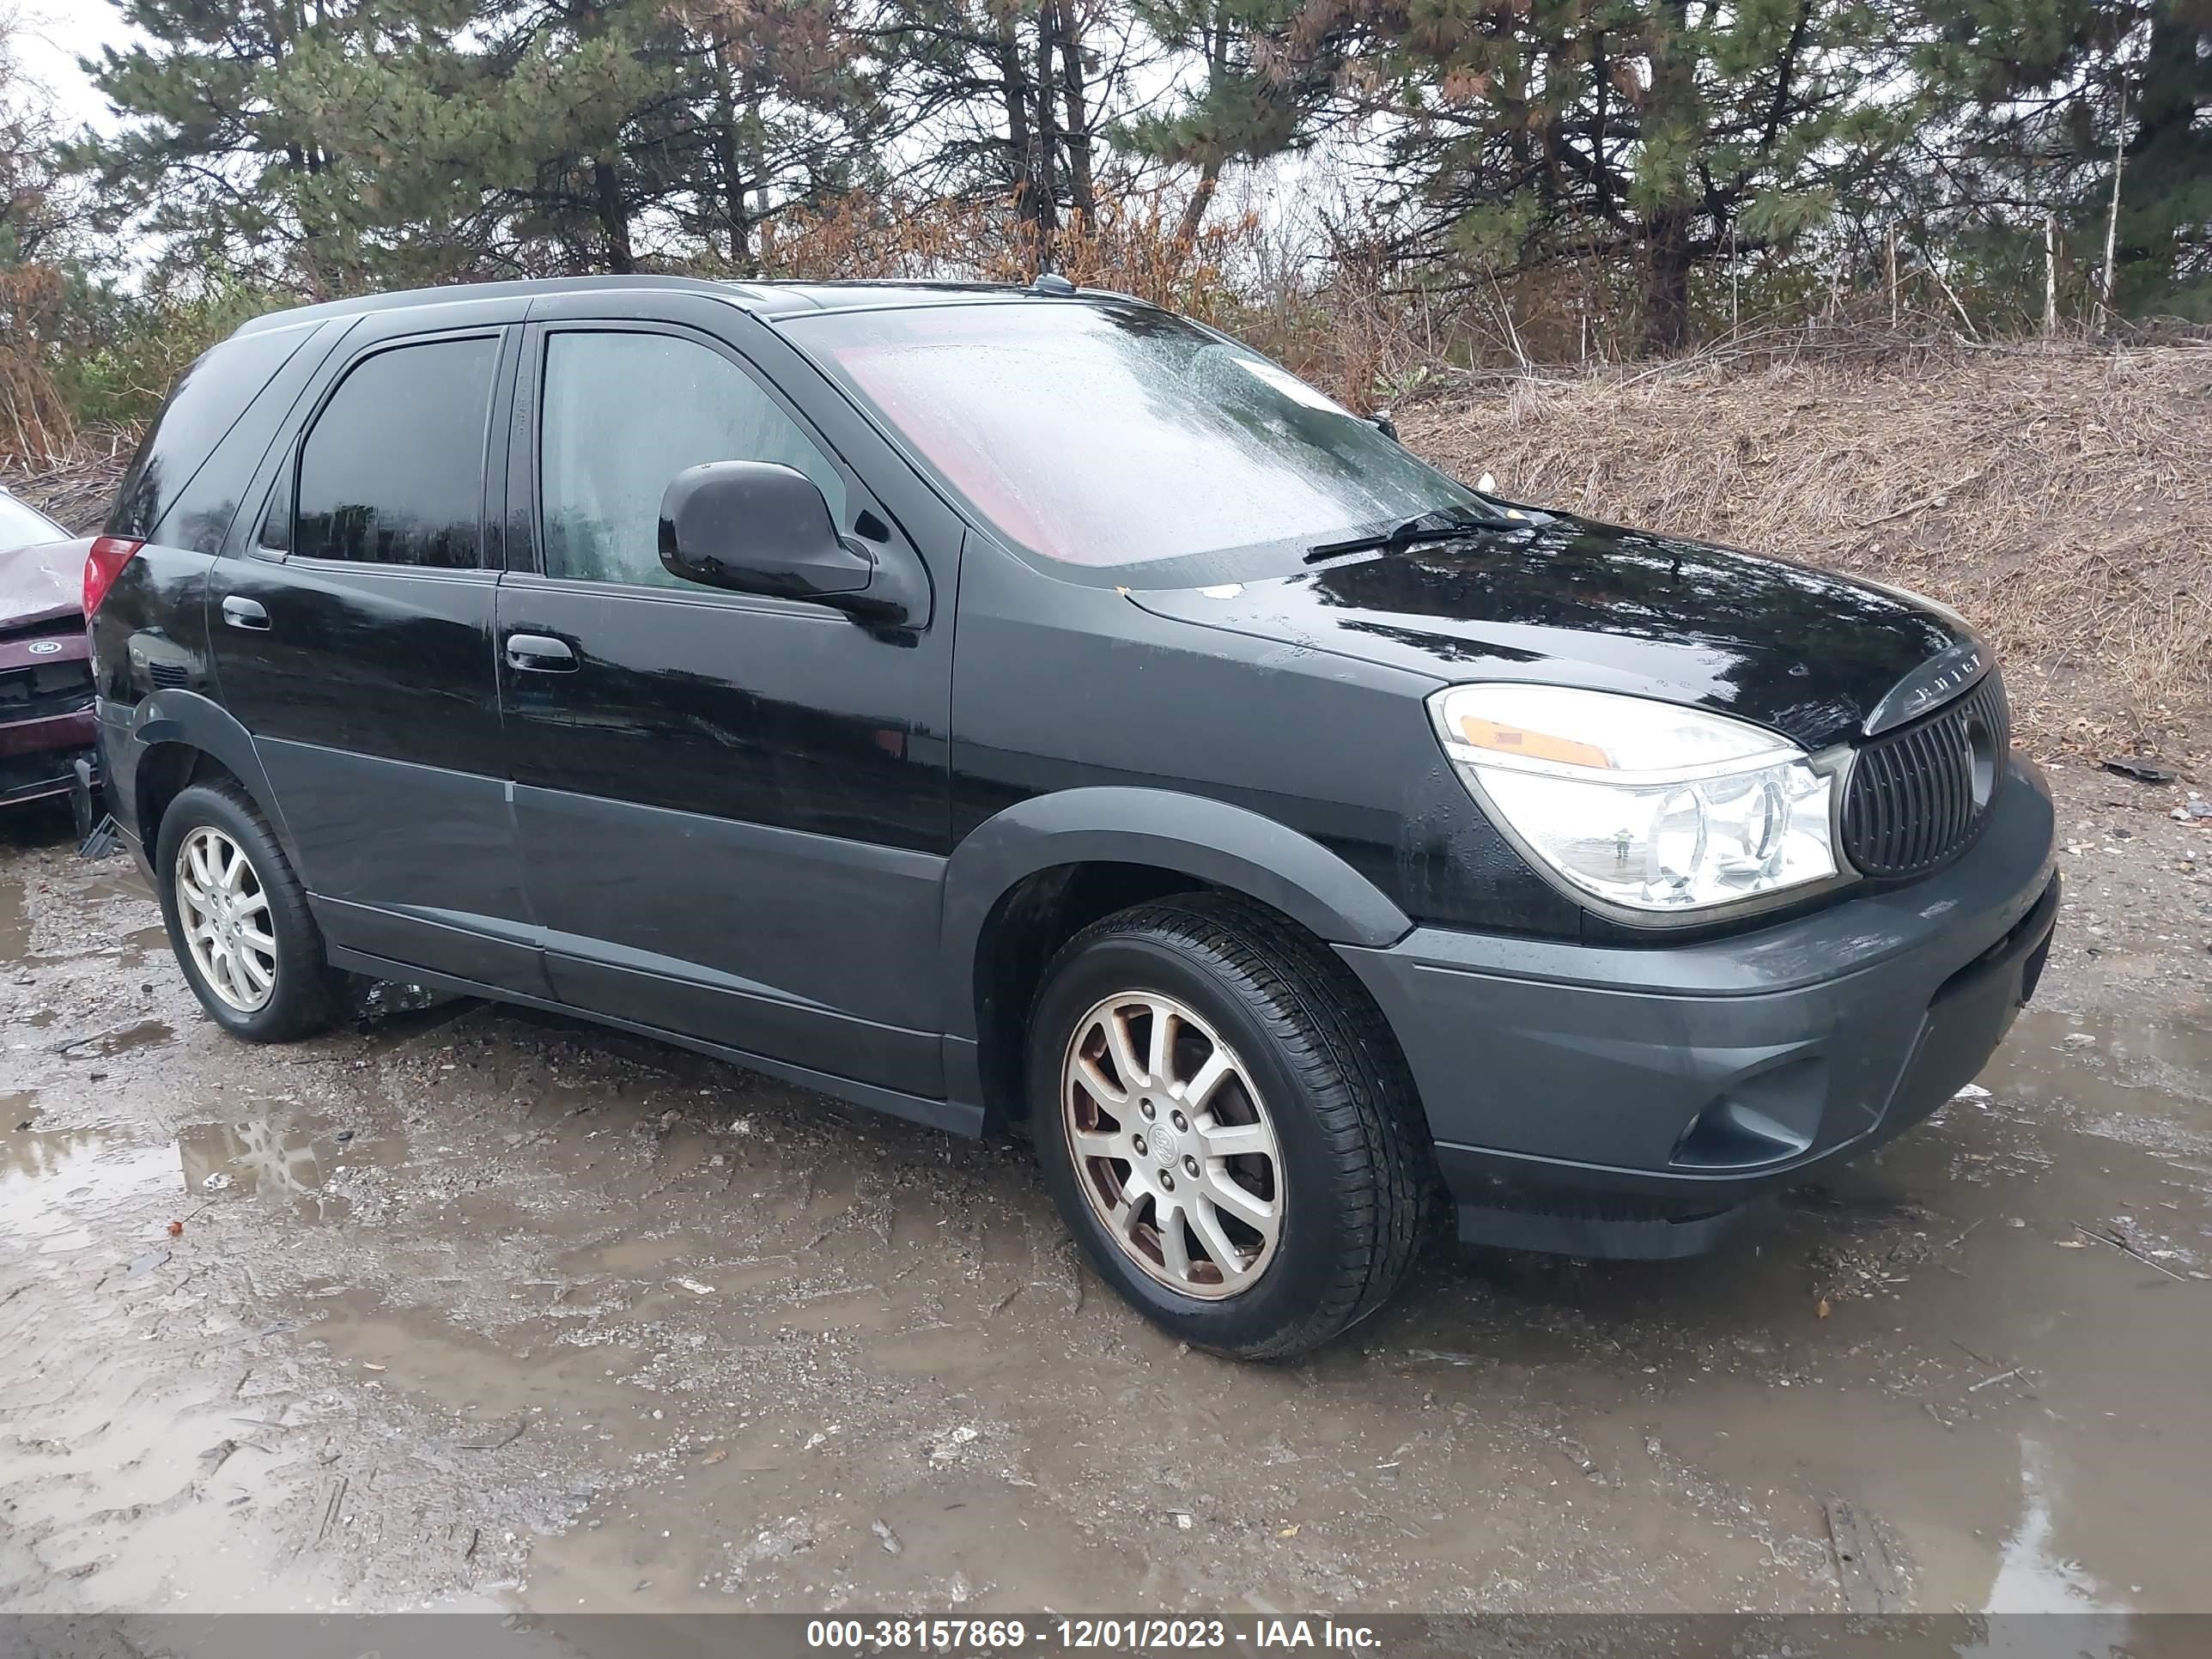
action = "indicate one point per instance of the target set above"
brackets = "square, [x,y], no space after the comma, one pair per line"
[65,1183]
[55,1186]
[2001,1330]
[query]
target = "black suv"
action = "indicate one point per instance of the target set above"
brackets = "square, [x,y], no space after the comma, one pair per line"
[1002,706]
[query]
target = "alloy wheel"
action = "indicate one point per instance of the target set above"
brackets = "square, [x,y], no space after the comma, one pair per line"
[1172,1145]
[225,912]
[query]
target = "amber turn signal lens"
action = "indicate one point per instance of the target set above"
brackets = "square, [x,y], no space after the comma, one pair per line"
[1536,746]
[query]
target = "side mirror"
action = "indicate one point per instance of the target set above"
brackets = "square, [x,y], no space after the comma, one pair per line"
[757,527]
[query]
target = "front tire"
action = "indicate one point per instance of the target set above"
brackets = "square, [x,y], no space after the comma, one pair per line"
[1226,1126]
[239,920]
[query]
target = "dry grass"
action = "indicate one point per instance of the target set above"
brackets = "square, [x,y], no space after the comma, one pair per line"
[1338,322]
[74,490]
[34,420]
[2059,496]
[1131,247]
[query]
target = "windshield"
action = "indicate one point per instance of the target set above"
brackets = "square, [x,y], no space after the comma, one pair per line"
[1115,433]
[21,527]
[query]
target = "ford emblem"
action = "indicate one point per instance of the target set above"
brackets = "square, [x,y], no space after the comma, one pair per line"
[45,648]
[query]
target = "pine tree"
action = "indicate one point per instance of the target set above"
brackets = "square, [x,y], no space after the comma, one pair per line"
[2042,100]
[785,116]
[330,146]
[1665,134]
[1009,99]
[531,143]
[1240,109]
[217,166]
[2166,226]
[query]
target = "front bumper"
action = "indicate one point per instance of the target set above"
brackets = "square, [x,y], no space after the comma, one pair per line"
[1602,1100]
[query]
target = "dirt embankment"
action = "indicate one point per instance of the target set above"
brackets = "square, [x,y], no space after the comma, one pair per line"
[2059,497]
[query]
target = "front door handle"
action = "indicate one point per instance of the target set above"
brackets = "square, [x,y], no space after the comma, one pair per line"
[241,612]
[539,653]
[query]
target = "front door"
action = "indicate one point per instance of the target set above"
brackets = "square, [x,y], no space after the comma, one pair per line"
[352,636]
[734,811]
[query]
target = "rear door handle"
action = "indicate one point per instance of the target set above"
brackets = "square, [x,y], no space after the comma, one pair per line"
[539,653]
[241,612]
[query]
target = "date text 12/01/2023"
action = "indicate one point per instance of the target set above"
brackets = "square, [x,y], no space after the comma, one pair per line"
[876,1636]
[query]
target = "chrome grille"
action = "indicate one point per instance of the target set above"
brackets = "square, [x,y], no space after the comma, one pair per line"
[1918,794]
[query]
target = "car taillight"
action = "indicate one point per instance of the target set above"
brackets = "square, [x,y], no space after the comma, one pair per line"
[102,565]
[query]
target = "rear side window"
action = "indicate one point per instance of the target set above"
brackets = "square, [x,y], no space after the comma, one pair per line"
[202,408]
[393,470]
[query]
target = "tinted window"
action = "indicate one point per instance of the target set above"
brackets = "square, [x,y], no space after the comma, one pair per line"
[276,531]
[201,409]
[623,414]
[393,473]
[1106,435]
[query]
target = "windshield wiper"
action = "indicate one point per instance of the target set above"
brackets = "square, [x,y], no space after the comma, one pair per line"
[1429,528]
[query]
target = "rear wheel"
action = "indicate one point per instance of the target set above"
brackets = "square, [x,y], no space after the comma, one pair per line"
[239,920]
[1226,1126]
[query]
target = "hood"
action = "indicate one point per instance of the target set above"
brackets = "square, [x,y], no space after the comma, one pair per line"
[1569,602]
[41,583]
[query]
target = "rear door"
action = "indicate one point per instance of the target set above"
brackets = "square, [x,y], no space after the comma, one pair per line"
[734,811]
[352,636]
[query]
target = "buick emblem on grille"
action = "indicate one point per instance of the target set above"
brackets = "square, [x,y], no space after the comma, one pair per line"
[44,648]
[1932,684]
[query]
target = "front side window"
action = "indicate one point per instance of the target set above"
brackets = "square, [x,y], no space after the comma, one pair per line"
[624,413]
[1115,433]
[393,470]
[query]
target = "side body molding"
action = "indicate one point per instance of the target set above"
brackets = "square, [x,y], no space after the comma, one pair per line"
[1229,846]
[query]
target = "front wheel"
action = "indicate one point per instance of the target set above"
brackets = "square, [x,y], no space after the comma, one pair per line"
[239,920]
[1226,1126]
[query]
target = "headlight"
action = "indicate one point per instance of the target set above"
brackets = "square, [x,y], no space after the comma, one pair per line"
[1644,804]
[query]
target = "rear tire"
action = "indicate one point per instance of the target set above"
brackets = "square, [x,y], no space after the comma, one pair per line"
[239,920]
[1262,1183]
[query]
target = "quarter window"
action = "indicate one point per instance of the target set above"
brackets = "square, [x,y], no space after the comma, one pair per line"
[624,413]
[215,392]
[393,473]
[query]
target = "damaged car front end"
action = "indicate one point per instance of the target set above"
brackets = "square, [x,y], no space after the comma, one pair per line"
[46,725]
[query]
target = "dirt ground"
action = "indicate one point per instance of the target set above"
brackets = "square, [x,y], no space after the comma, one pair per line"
[463,1308]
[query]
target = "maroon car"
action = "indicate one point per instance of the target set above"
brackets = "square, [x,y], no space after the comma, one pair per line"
[45,677]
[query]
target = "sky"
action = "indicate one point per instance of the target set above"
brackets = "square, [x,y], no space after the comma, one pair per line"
[51,36]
